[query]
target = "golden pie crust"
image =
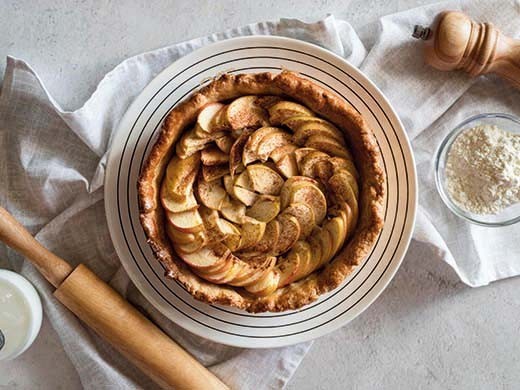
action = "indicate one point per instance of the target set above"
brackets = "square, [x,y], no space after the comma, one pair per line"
[365,153]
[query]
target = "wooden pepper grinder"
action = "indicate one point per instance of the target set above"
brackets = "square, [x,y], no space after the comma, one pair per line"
[454,41]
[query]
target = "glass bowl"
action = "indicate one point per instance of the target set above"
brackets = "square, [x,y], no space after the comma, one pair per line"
[508,216]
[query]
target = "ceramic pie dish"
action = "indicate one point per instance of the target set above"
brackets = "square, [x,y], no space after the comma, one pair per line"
[262,192]
[137,133]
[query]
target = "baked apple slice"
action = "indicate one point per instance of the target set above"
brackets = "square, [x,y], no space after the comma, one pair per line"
[303,250]
[280,111]
[253,270]
[244,112]
[211,194]
[307,166]
[279,153]
[288,268]
[324,129]
[328,145]
[207,116]
[206,258]
[177,206]
[210,173]
[305,216]
[180,175]
[191,143]
[269,239]
[266,285]
[252,232]
[271,142]
[236,152]
[212,155]
[186,221]
[265,209]
[287,165]
[289,233]
[225,143]
[233,211]
[264,179]
[250,150]
[339,185]
[337,229]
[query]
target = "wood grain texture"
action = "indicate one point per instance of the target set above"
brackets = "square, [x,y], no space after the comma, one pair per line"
[14,235]
[458,42]
[140,341]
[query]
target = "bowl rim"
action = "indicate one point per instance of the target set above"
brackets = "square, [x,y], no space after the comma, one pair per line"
[28,291]
[446,144]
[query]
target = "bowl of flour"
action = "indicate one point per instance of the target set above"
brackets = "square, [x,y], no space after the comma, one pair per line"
[477,170]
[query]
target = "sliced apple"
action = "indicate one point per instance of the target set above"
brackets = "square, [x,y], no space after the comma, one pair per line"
[295,122]
[288,268]
[214,172]
[204,258]
[250,149]
[178,237]
[327,246]
[324,129]
[350,179]
[271,142]
[264,179]
[244,181]
[279,153]
[185,221]
[254,270]
[225,143]
[213,156]
[243,112]
[233,211]
[311,195]
[308,163]
[252,232]
[328,145]
[316,250]
[231,232]
[244,196]
[269,239]
[280,111]
[287,165]
[301,153]
[289,233]
[177,206]
[323,170]
[225,276]
[265,286]
[303,249]
[180,175]
[337,228]
[265,209]
[339,185]
[339,163]
[212,194]
[190,143]
[305,216]
[237,149]
[207,115]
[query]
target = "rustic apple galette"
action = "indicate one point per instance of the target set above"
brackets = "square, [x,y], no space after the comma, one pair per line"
[262,192]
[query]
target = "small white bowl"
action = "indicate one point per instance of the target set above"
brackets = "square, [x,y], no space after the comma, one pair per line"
[33,310]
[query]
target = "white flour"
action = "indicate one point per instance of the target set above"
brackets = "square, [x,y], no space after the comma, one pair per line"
[483,170]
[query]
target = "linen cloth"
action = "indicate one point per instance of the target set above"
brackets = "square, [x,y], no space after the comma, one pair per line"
[52,169]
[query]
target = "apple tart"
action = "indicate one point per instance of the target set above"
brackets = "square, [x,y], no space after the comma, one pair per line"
[262,191]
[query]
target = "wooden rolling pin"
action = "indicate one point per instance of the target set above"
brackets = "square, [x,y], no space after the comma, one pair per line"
[454,42]
[112,317]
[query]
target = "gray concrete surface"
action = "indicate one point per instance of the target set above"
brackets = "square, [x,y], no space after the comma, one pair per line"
[426,331]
